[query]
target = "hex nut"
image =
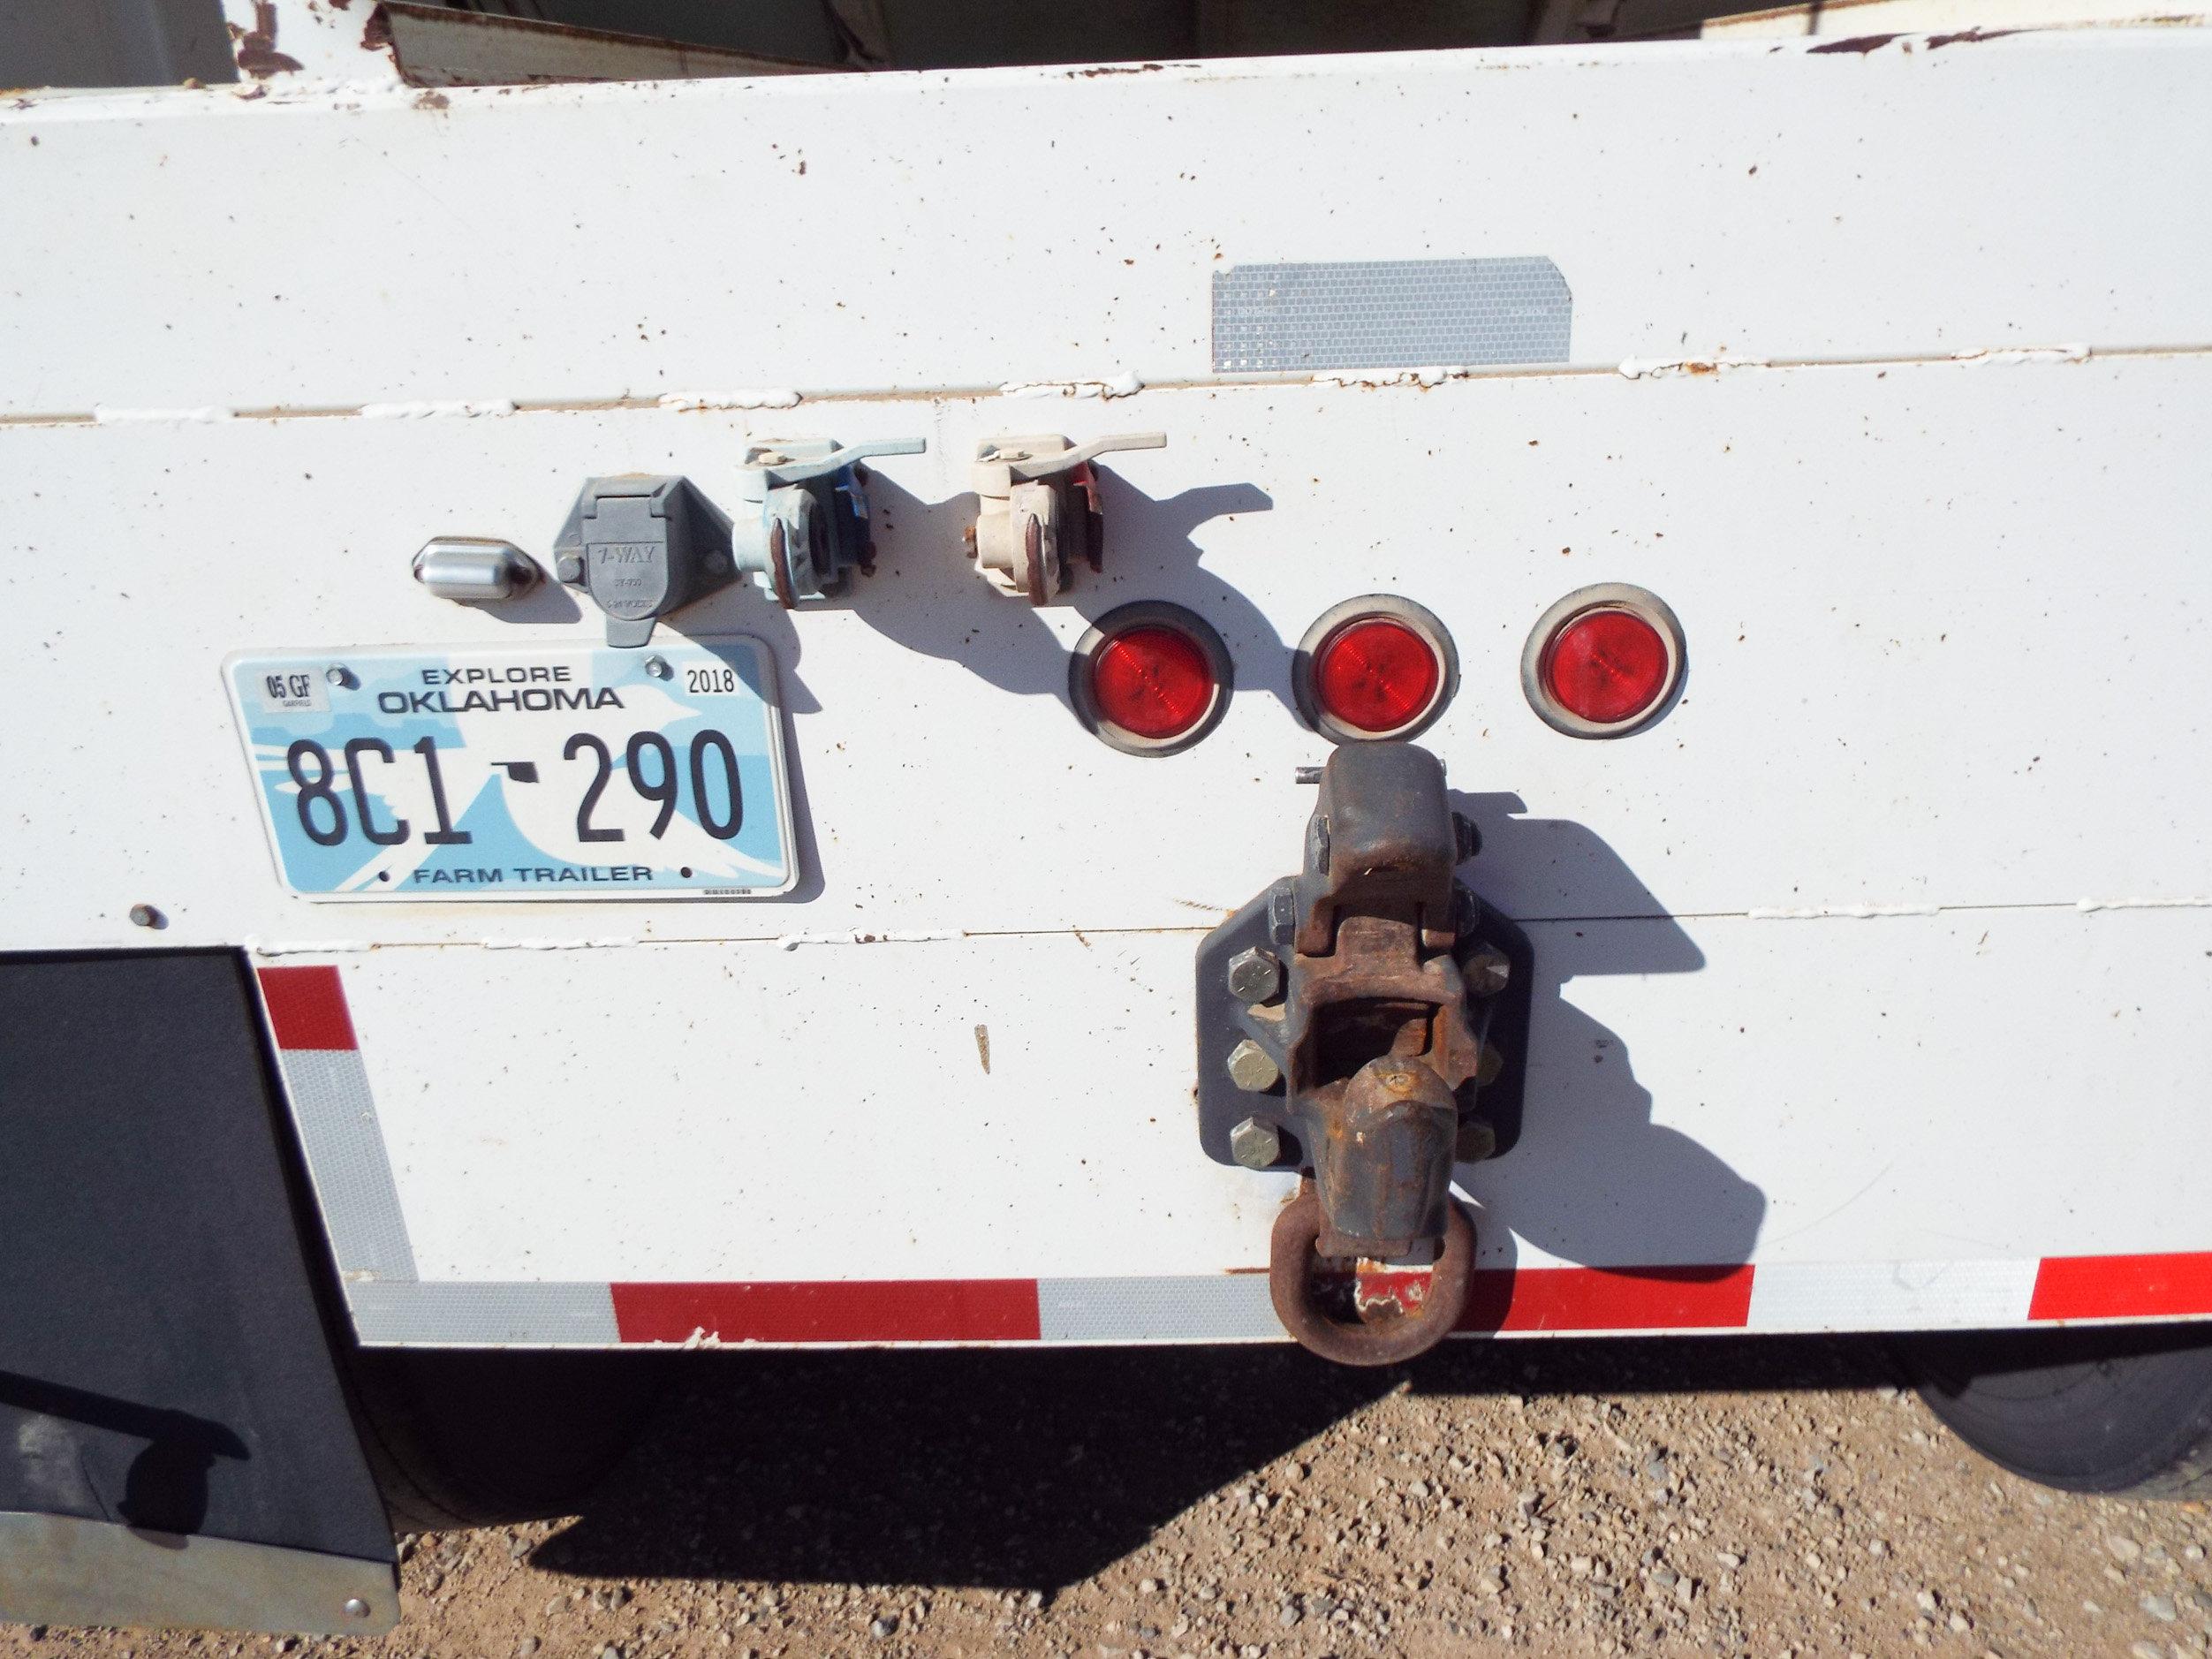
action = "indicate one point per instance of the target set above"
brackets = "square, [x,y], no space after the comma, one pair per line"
[570,567]
[1255,1144]
[1255,976]
[1487,973]
[1488,1066]
[1252,1068]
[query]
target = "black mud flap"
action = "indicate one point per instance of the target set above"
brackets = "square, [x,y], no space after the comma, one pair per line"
[175,1444]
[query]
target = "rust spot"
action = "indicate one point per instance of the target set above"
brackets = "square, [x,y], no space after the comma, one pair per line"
[257,52]
[376,33]
[1695,367]
[983,1047]
[433,101]
[1860,44]
[1965,37]
[1115,69]
[341,6]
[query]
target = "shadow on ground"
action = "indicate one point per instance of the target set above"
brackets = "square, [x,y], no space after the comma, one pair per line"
[1034,1471]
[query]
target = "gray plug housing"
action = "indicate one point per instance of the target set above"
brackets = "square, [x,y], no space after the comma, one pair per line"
[641,547]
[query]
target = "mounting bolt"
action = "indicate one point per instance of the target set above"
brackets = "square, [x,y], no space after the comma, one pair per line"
[657,667]
[355,1608]
[1468,837]
[1252,1069]
[1255,976]
[570,567]
[339,675]
[1254,1144]
[146,916]
[1487,1064]
[1487,972]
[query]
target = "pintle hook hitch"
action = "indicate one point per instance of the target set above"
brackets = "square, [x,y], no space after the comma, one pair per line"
[1345,1018]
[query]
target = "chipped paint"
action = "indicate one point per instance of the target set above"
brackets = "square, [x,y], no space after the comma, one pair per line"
[1667,367]
[2076,353]
[1368,381]
[767,398]
[792,941]
[1122,385]
[437,408]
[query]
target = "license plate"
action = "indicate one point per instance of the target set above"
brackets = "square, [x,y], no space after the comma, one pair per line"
[552,772]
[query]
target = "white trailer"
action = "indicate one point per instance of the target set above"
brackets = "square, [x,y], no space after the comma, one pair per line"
[723,961]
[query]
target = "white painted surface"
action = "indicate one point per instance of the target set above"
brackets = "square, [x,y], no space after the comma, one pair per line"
[1948,632]
[568,242]
[1950,641]
[1705,1092]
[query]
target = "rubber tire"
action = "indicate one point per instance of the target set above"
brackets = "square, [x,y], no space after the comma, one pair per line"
[2124,1409]
[461,1438]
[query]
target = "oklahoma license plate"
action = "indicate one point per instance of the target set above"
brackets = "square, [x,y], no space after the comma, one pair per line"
[545,772]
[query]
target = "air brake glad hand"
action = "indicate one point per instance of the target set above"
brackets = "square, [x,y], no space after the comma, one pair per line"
[1037,510]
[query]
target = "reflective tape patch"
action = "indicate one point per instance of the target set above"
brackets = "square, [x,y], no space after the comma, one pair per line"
[1201,1307]
[2122,1287]
[1609,1299]
[328,1089]
[458,1314]
[306,1008]
[830,1310]
[1889,1295]
[1390,314]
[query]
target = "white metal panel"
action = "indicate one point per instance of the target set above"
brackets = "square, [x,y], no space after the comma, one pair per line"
[1794,1094]
[319,247]
[1947,639]
[1948,644]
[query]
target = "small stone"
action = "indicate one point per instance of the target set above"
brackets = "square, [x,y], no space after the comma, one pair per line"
[1149,1587]
[1288,1617]
[1960,1623]
[1685,1591]
[527,1646]
[883,1626]
[1419,1488]
[1033,1600]
[2145,1650]
[1728,1558]
[2159,1607]
[611,1651]
[1925,1600]
[2122,1548]
[1876,1547]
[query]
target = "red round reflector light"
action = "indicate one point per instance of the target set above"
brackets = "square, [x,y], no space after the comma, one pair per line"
[1604,662]
[1607,666]
[1152,681]
[1376,675]
[1377,666]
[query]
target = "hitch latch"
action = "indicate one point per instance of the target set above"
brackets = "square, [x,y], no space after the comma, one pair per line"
[1345,1028]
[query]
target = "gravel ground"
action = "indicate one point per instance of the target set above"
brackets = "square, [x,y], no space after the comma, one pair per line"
[1769,1497]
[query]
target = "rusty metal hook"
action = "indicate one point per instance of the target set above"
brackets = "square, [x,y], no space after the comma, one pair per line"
[1385,1340]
